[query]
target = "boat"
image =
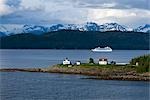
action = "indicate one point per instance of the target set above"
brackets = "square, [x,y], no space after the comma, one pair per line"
[99,49]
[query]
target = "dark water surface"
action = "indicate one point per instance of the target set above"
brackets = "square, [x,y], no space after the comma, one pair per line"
[46,86]
[45,58]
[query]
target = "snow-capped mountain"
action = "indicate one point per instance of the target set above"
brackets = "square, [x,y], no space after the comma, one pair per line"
[3,31]
[112,27]
[145,28]
[10,29]
[89,26]
[17,29]
[56,27]
[34,29]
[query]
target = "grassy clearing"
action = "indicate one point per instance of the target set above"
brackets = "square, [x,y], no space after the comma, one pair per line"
[99,68]
[142,67]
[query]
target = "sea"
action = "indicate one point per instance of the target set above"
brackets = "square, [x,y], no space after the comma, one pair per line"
[25,58]
[52,86]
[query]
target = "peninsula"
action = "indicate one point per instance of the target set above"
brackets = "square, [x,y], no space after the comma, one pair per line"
[137,70]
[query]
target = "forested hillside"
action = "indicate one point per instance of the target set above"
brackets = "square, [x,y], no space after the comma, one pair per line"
[67,39]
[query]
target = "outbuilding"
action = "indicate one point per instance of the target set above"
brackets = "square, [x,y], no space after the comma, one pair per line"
[78,63]
[103,61]
[66,62]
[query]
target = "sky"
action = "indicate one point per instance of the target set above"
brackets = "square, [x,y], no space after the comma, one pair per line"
[130,13]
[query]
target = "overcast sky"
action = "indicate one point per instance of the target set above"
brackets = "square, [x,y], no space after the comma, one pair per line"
[125,12]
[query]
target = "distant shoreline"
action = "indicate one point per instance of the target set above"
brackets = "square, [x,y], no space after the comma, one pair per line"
[63,49]
[103,73]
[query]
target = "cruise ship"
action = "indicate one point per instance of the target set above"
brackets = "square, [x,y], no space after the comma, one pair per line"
[99,49]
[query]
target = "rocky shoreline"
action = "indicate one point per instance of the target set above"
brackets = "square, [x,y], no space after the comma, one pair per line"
[103,74]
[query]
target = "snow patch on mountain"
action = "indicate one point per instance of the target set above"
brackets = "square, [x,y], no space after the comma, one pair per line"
[112,27]
[10,29]
[34,29]
[145,28]
[3,31]
[89,26]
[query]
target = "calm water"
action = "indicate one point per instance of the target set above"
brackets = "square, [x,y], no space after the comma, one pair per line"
[45,86]
[44,58]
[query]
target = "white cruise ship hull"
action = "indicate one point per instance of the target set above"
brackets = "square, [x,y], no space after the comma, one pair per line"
[105,49]
[101,50]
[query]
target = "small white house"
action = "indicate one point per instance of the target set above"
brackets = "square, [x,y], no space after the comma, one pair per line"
[103,61]
[78,63]
[137,64]
[66,62]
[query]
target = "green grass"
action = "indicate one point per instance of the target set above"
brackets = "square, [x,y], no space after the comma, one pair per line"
[88,66]
[142,60]
[143,63]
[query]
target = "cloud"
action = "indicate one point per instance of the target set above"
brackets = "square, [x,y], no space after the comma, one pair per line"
[13,3]
[128,12]
[103,13]
[109,5]
[45,11]
[126,16]
[115,4]
[4,8]
[31,5]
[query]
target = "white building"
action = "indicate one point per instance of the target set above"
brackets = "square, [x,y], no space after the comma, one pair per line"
[66,62]
[103,61]
[78,63]
[137,64]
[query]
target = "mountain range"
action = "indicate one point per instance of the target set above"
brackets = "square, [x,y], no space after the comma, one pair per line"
[89,26]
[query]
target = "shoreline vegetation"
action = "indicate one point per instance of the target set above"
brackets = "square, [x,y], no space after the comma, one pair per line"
[137,70]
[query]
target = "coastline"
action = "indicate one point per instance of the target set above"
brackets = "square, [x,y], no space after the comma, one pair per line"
[93,72]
